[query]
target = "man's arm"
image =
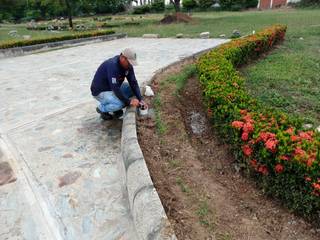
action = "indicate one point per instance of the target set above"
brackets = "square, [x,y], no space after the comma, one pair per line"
[116,88]
[134,84]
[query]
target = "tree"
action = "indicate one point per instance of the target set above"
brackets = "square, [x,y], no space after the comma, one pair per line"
[69,10]
[176,4]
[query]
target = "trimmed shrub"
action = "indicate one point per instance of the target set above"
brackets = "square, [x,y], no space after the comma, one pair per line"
[251,3]
[157,6]
[20,43]
[205,4]
[189,4]
[142,9]
[236,5]
[271,145]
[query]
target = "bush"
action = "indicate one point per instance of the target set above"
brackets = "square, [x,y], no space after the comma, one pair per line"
[142,9]
[236,5]
[251,3]
[158,6]
[169,8]
[273,147]
[20,43]
[205,4]
[189,4]
[309,3]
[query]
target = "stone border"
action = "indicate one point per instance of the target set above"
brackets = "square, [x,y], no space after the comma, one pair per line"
[149,217]
[18,51]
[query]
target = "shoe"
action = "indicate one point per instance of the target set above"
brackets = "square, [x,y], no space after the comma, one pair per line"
[118,114]
[104,115]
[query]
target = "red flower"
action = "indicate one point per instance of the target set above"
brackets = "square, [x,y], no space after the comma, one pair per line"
[306,135]
[271,145]
[237,124]
[248,127]
[308,179]
[254,163]
[243,112]
[248,119]
[244,136]
[247,150]
[290,130]
[265,136]
[294,138]
[299,152]
[284,157]
[263,169]
[311,159]
[279,168]
[316,186]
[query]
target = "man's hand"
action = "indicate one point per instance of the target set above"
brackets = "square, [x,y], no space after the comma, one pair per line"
[134,102]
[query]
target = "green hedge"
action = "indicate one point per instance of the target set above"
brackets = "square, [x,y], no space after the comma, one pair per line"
[20,43]
[271,145]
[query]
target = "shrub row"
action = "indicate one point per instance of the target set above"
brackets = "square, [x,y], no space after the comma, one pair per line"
[270,145]
[20,43]
[156,6]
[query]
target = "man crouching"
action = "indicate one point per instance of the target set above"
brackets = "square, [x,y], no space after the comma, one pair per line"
[108,87]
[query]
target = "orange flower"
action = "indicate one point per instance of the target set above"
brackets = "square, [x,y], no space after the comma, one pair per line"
[290,130]
[294,138]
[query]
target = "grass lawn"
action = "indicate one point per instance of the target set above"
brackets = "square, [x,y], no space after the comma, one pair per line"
[288,78]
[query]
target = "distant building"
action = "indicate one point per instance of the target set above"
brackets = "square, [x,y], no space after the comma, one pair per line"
[143,2]
[268,4]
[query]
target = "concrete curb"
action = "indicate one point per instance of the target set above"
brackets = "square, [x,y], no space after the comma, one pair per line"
[18,51]
[149,217]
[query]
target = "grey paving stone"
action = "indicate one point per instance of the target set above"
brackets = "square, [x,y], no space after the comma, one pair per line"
[49,124]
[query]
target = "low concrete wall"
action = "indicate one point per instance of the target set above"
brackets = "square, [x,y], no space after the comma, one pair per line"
[18,51]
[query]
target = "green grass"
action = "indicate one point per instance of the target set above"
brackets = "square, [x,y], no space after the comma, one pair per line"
[160,125]
[21,30]
[181,79]
[287,79]
[183,186]
[205,214]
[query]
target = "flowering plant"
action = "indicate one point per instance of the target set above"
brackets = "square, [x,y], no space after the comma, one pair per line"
[276,150]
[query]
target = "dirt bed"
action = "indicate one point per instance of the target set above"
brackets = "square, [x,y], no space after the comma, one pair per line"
[199,183]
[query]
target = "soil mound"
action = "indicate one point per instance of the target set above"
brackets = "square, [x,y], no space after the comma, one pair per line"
[176,18]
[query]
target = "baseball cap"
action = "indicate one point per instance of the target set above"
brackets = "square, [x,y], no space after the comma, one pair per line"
[130,55]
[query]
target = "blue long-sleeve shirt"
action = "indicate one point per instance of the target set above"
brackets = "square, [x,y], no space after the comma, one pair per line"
[109,77]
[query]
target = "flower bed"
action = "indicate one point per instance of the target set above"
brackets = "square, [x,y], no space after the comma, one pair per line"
[20,43]
[271,145]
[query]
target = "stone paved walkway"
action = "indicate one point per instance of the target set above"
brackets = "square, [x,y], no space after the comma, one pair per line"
[69,180]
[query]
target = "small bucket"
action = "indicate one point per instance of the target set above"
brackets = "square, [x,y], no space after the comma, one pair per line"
[143,110]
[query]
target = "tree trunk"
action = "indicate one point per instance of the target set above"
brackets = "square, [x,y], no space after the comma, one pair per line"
[69,10]
[176,4]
